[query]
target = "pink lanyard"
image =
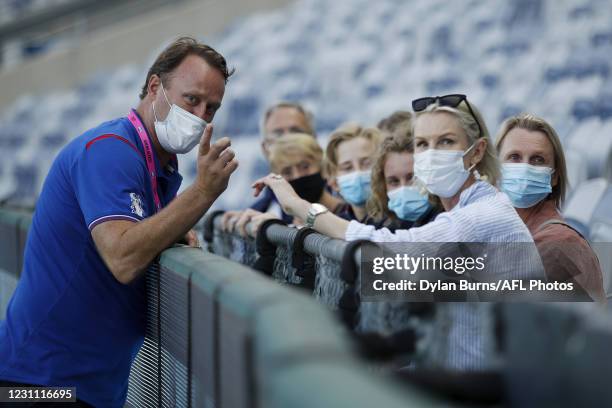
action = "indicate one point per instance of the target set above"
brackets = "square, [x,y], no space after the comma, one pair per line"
[146,144]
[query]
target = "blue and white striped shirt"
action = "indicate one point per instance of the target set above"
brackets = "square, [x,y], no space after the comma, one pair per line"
[484,215]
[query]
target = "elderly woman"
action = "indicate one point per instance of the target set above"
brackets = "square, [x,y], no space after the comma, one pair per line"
[397,202]
[535,179]
[455,161]
[298,159]
[348,160]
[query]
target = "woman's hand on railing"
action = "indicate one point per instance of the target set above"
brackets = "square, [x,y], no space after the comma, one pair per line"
[243,220]
[285,194]
[256,222]
[249,222]
[229,220]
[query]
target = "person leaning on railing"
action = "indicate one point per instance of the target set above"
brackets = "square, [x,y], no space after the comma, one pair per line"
[279,120]
[534,177]
[299,159]
[108,207]
[455,160]
[397,202]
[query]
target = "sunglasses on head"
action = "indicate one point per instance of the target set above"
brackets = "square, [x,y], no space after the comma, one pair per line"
[452,100]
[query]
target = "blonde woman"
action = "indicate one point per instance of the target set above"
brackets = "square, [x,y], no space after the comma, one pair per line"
[397,202]
[535,180]
[349,156]
[298,159]
[454,160]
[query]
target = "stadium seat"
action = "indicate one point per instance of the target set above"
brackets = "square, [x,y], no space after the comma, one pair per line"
[26,177]
[577,171]
[588,210]
[53,140]
[584,109]
[601,237]
[592,139]
[601,39]
[581,12]
[581,205]
[604,105]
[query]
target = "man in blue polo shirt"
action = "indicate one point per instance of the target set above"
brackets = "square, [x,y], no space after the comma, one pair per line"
[106,210]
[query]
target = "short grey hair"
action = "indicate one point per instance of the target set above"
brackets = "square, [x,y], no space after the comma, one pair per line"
[294,105]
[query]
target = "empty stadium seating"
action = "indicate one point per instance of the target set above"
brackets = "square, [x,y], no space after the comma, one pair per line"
[589,210]
[360,61]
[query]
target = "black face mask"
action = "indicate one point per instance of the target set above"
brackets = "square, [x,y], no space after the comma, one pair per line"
[309,188]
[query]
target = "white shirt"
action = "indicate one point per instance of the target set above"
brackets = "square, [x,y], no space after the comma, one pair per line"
[483,214]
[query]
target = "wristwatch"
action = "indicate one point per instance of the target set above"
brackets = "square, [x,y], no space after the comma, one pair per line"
[314,210]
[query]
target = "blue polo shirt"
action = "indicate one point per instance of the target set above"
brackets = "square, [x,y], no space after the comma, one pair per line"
[70,322]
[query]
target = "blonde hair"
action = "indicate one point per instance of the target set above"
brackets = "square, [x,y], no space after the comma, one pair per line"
[377,205]
[534,123]
[488,167]
[348,131]
[294,144]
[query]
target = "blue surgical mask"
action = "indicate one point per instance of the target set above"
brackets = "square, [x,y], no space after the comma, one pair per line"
[355,187]
[525,185]
[408,203]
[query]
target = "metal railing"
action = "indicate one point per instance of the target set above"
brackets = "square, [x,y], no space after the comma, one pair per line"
[507,327]
[220,334]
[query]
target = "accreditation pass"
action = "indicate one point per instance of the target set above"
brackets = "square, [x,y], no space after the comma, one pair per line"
[37,394]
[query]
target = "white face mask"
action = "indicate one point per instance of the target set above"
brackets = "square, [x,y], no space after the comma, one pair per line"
[441,171]
[180,131]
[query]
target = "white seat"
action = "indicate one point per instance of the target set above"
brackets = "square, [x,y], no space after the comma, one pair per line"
[577,170]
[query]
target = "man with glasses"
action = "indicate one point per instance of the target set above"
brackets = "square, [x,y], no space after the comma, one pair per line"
[283,118]
[279,119]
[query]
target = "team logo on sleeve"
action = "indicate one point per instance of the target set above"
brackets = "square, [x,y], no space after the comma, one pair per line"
[136,205]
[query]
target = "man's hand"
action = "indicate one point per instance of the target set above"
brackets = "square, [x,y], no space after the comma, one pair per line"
[127,247]
[215,165]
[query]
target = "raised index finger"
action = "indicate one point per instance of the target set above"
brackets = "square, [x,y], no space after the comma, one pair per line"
[205,140]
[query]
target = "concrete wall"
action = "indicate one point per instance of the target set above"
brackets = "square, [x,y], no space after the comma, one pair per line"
[131,41]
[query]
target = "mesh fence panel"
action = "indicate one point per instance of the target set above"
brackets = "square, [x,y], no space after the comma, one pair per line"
[144,382]
[433,328]
[174,338]
[160,373]
[284,272]
[329,286]
[233,247]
